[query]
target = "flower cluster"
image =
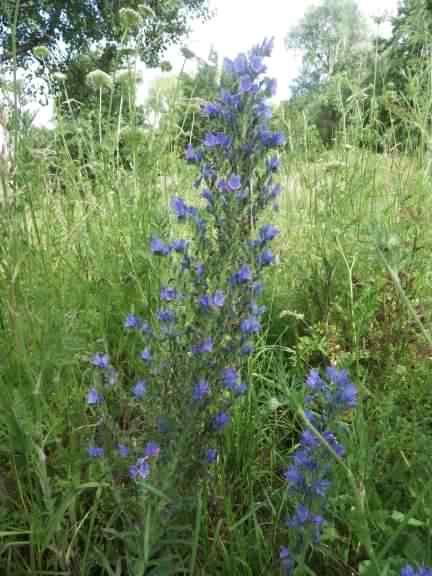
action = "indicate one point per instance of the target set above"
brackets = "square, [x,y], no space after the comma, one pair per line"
[189,355]
[409,570]
[309,474]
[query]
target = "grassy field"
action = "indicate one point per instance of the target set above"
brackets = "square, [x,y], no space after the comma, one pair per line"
[352,287]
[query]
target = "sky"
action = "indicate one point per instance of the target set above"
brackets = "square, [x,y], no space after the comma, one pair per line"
[238,25]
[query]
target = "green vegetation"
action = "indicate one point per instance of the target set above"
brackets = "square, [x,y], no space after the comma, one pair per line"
[352,287]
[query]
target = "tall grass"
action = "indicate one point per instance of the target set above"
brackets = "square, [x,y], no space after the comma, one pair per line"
[353,288]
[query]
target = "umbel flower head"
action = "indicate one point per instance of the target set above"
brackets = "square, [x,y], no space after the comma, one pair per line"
[99,79]
[130,19]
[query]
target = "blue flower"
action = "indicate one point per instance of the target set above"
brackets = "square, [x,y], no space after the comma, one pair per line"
[179,245]
[239,389]
[159,248]
[234,182]
[201,390]
[215,139]
[146,355]
[192,155]
[287,562]
[243,276]
[140,470]
[250,325]
[123,450]
[257,64]
[212,455]
[220,421]
[152,449]
[245,84]
[265,258]
[132,321]
[93,397]
[165,315]
[139,389]
[314,382]
[211,109]
[100,360]
[273,164]
[247,349]
[229,377]
[168,294]
[268,232]
[203,346]
[95,452]
[218,299]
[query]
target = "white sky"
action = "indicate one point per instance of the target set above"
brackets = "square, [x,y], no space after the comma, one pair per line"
[238,25]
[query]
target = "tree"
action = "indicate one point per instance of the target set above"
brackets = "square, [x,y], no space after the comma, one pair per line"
[68,28]
[331,37]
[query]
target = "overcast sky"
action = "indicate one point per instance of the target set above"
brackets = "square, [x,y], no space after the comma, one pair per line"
[239,24]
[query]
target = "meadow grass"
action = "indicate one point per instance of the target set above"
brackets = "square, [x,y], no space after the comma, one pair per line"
[353,287]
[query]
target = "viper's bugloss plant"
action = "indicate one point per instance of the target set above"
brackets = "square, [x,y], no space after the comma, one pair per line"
[188,358]
[309,474]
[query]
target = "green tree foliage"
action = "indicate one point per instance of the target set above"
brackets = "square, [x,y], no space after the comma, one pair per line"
[331,37]
[69,28]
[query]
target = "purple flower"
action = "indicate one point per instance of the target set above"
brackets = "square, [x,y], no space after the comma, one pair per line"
[234,182]
[245,84]
[140,470]
[203,346]
[100,360]
[146,355]
[168,294]
[123,450]
[239,389]
[271,86]
[93,397]
[220,421]
[273,164]
[139,389]
[247,349]
[257,288]
[207,195]
[132,321]
[265,258]
[301,516]
[212,455]
[204,301]
[240,65]
[152,449]
[286,561]
[192,155]
[178,245]
[211,109]
[215,139]
[229,377]
[268,232]
[218,299]
[243,276]
[180,208]
[95,452]
[159,248]
[165,315]
[314,382]
[201,390]
[250,325]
